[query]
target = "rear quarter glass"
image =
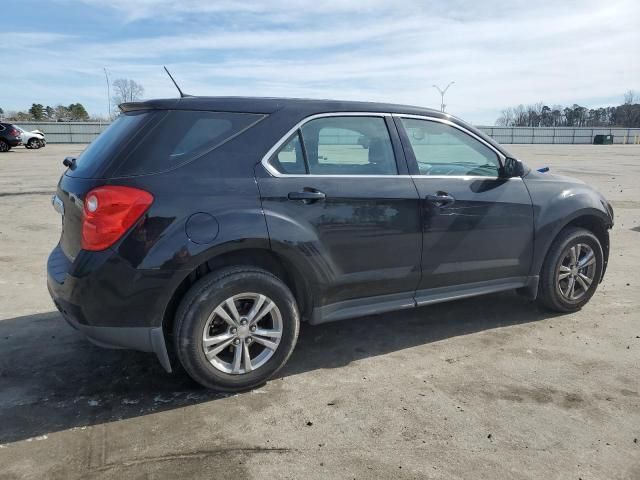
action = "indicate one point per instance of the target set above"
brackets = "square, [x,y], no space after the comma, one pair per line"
[153,141]
[179,137]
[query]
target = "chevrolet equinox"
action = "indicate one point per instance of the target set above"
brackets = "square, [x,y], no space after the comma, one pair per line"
[205,229]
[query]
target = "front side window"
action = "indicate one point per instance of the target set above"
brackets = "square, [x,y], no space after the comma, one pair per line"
[441,149]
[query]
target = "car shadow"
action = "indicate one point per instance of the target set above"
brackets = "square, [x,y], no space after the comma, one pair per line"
[53,379]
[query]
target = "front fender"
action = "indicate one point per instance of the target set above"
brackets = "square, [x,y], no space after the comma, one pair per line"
[557,203]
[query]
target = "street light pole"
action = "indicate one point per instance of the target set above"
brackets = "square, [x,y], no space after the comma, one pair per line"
[108,92]
[442,92]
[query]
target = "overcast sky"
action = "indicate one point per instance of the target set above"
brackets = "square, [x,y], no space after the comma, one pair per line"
[499,53]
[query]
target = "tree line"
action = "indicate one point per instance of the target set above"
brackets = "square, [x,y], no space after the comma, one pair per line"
[124,90]
[39,113]
[541,115]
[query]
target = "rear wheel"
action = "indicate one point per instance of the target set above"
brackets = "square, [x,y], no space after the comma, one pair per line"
[4,146]
[571,271]
[236,328]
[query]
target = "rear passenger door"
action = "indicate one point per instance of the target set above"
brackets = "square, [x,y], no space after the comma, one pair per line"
[338,199]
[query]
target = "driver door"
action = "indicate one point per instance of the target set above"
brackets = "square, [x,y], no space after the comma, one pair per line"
[477,227]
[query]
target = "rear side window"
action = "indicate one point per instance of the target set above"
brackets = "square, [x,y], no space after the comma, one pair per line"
[338,145]
[290,158]
[349,146]
[181,136]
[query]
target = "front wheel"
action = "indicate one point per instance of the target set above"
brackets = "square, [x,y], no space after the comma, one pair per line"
[235,328]
[571,271]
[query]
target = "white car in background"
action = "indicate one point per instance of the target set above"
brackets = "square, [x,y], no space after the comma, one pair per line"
[34,139]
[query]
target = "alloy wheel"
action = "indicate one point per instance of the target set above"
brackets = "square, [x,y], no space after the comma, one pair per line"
[242,333]
[576,271]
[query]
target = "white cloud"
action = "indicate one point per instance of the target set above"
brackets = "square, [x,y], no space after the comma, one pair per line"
[34,39]
[274,9]
[388,51]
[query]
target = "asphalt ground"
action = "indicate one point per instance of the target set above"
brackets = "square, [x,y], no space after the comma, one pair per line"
[488,387]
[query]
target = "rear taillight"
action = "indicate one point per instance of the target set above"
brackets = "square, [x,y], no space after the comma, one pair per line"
[13,132]
[109,212]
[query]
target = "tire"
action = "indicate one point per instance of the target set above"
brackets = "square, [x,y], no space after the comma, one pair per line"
[33,143]
[197,318]
[555,292]
[4,146]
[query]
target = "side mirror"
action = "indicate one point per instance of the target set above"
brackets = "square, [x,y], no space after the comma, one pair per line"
[69,162]
[513,168]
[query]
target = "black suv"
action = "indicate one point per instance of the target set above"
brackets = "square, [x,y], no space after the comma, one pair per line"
[9,137]
[206,229]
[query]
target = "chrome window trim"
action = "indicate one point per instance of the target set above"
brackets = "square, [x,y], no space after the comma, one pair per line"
[501,157]
[275,173]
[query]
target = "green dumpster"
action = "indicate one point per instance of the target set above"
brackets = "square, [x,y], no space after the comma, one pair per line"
[603,140]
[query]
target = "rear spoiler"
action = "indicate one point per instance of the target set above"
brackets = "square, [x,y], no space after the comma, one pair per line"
[211,104]
[163,104]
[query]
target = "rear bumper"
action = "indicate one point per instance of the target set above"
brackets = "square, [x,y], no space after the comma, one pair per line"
[95,302]
[144,339]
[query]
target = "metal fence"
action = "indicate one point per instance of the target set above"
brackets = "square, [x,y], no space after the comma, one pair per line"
[85,132]
[560,135]
[66,132]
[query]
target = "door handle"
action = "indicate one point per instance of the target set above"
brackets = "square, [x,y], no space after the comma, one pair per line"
[441,199]
[307,196]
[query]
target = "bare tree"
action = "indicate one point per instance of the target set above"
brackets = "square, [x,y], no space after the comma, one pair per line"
[506,118]
[126,90]
[630,97]
[61,113]
[541,115]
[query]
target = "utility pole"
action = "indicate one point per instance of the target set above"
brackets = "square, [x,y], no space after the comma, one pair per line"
[108,92]
[442,92]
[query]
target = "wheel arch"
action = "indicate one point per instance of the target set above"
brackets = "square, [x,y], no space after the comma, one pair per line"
[591,219]
[599,226]
[264,258]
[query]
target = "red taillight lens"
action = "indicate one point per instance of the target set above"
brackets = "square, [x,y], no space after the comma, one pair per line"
[14,132]
[109,212]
